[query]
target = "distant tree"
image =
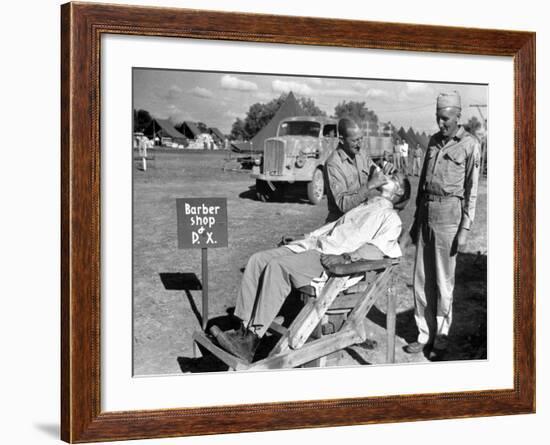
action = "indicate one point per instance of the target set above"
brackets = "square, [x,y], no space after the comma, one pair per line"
[142,119]
[309,107]
[202,127]
[472,125]
[259,115]
[387,129]
[238,133]
[359,113]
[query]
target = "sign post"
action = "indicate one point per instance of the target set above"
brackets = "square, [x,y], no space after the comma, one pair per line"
[202,224]
[204,257]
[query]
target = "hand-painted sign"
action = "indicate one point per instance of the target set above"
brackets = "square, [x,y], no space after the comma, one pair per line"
[202,222]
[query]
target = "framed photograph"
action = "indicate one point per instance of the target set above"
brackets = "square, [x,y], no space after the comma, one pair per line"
[278,222]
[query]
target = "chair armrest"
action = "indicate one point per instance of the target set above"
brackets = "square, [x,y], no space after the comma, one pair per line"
[362,266]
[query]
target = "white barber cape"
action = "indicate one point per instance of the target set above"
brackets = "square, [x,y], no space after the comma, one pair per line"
[375,222]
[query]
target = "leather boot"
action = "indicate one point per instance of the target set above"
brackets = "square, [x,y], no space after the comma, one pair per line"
[241,343]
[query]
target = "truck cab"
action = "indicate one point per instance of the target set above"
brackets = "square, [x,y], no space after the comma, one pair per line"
[296,157]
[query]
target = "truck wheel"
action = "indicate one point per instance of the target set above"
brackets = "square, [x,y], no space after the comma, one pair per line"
[316,187]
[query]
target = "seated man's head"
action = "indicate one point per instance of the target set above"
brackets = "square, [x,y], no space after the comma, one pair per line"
[397,190]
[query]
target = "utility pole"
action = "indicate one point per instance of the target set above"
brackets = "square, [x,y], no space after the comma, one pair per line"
[484,142]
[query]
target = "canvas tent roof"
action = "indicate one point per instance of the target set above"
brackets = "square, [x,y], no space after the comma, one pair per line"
[394,133]
[422,139]
[241,146]
[412,136]
[190,129]
[217,133]
[289,108]
[164,125]
[404,135]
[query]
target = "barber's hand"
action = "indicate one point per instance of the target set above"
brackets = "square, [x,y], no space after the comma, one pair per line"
[330,260]
[376,179]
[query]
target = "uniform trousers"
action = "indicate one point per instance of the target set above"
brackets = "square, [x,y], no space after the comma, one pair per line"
[267,281]
[417,166]
[405,163]
[434,267]
[397,160]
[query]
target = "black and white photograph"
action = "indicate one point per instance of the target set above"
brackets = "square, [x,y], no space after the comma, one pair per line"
[284,221]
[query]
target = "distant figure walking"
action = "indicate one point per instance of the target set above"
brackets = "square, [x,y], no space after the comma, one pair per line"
[405,156]
[417,160]
[397,154]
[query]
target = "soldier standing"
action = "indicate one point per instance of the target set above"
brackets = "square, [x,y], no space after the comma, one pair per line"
[405,156]
[351,177]
[417,160]
[397,154]
[445,208]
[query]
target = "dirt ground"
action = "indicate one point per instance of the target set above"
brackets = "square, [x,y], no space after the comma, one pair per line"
[167,297]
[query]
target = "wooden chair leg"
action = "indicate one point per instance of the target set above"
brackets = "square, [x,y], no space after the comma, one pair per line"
[316,334]
[390,326]
[319,362]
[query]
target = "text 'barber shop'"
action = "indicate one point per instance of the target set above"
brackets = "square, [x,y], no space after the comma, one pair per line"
[202,222]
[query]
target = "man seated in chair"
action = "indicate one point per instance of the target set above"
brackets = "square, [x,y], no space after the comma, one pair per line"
[370,231]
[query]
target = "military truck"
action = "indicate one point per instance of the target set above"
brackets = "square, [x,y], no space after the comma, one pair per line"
[296,157]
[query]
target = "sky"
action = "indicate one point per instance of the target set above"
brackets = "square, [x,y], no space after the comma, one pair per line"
[218,98]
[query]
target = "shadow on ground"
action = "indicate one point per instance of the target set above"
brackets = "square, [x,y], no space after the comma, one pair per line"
[209,363]
[293,194]
[468,334]
[185,282]
[405,326]
[467,338]
[180,281]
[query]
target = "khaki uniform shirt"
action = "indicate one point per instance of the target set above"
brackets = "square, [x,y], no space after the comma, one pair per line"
[452,169]
[344,177]
[418,153]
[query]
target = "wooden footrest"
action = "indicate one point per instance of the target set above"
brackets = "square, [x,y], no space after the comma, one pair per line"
[229,359]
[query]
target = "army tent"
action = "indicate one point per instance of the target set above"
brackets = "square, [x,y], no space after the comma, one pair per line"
[216,133]
[289,108]
[424,140]
[423,143]
[402,134]
[394,133]
[190,129]
[412,137]
[406,137]
[163,128]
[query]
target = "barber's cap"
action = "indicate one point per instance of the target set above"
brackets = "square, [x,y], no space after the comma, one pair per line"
[449,100]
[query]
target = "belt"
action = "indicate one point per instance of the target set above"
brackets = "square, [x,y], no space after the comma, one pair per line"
[438,198]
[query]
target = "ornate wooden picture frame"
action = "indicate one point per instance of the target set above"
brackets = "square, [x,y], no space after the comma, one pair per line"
[82,27]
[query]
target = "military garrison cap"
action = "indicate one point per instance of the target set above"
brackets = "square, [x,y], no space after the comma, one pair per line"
[449,100]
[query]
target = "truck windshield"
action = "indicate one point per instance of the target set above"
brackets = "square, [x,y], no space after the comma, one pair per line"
[300,128]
